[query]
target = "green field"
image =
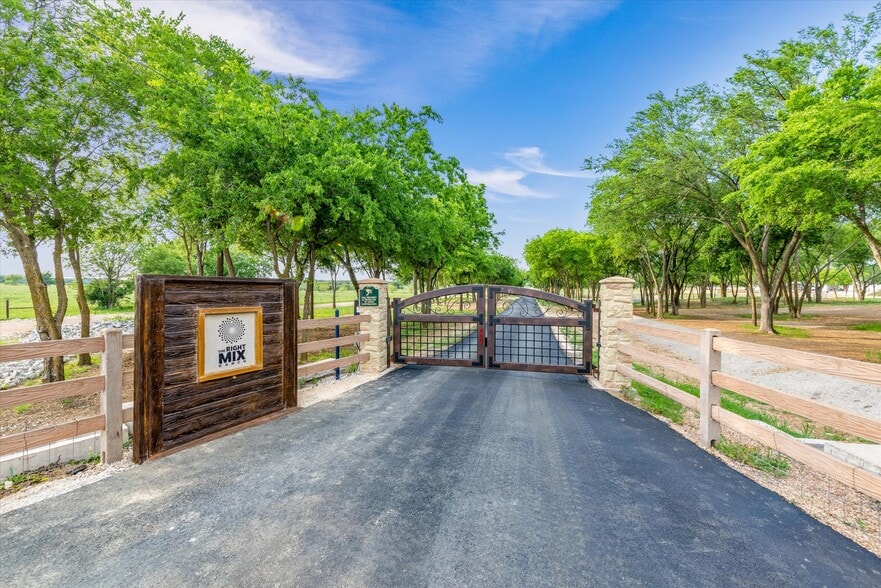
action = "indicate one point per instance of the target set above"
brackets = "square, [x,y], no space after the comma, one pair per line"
[20,301]
[19,298]
[347,296]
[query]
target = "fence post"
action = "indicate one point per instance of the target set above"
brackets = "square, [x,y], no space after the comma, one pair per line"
[616,303]
[709,361]
[111,397]
[377,328]
[336,350]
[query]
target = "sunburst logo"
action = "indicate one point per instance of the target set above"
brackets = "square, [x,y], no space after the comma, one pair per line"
[231,329]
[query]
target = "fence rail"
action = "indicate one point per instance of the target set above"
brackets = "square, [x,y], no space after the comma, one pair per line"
[708,372]
[112,380]
[315,367]
[110,384]
[8,308]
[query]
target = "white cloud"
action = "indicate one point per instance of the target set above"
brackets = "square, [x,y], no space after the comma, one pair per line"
[531,159]
[278,42]
[471,36]
[412,55]
[504,180]
[428,51]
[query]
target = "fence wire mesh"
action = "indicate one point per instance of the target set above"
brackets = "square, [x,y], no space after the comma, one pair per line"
[439,340]
[539,345]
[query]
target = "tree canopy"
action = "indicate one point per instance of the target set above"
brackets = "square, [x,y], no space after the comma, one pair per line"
[123,126]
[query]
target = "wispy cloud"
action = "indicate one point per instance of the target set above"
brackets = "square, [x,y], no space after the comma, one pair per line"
[314,44]
[413,55]
[531,159]
[449,46]
[504,180]
[509,180]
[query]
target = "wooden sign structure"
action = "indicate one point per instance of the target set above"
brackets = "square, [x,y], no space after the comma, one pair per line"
[210,354]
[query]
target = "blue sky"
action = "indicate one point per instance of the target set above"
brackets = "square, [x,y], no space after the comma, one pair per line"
[527,90]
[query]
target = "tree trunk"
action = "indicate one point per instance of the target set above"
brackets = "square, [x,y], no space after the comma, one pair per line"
[873,242]
[346,260]
[227,258]
[661,290]
[189,253]
[218,264]
[73,254]
[750,292]
[309,298]
[200,258]
[767,312]
[47,329]
[54,366]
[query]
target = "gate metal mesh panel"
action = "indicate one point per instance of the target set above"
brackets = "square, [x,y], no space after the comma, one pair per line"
[439,340]
[539,345]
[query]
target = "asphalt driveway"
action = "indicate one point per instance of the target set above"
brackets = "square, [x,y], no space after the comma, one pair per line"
[439,477]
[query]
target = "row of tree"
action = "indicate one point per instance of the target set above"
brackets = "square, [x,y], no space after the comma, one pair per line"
[775,177]
[572,263]
[120,125]
[569,262]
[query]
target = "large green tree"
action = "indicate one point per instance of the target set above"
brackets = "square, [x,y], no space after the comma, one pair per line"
[70,131]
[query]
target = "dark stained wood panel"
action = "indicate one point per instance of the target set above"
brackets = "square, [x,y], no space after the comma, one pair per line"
[172,407]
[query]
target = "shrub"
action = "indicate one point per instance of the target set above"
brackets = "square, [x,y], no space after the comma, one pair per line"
[100,293]
[13,279]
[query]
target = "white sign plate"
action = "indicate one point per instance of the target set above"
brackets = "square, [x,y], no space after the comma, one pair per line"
[230,341]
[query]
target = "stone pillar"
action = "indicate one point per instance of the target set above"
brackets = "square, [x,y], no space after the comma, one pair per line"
[616,303]
[377,328]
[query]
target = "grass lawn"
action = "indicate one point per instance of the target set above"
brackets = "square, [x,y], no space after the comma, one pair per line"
[871,327]
[345,297]
[21,308]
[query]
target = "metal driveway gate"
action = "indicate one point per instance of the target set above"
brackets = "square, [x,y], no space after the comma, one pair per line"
[500,327]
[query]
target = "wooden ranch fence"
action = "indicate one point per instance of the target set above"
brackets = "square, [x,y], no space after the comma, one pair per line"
[113,379]
[110,384]
[708,373]
[310,369]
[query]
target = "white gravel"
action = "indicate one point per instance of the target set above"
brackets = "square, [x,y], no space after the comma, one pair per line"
[840,392]
[59,486]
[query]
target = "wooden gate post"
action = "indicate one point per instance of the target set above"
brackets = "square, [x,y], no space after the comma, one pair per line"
[377,327]
[616,303]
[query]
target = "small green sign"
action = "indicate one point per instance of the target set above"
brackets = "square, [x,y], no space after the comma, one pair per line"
[368,296]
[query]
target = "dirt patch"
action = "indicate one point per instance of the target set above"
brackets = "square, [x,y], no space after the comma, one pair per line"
[37,415]
[825,328]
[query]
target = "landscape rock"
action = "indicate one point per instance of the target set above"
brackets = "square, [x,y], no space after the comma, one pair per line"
[16,372]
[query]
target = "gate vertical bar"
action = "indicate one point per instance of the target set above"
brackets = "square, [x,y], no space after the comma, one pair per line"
[490,326]
[599,338]
[587,341]
[480,311]
[396,329]
[289,359]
